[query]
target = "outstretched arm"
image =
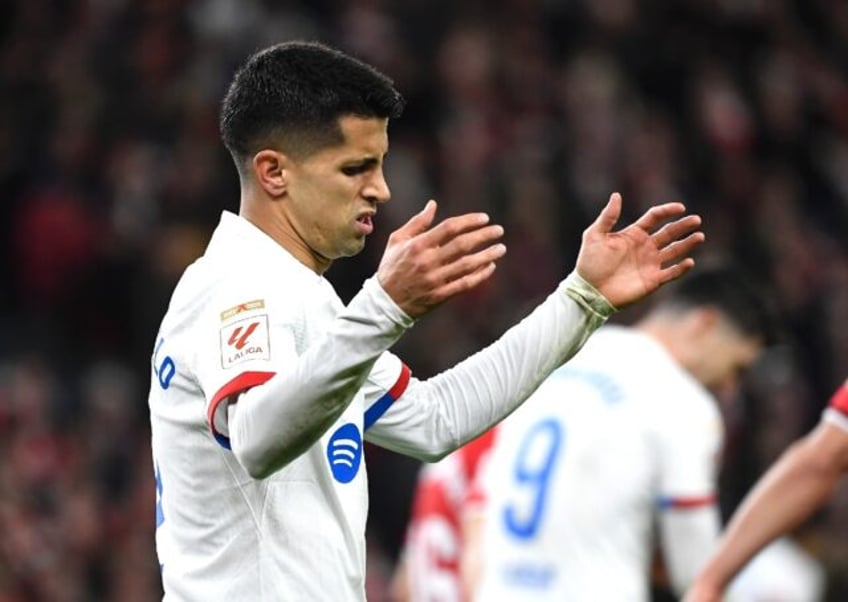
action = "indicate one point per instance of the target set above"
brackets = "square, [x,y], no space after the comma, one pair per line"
[423,266]
[796,486]
[438,415]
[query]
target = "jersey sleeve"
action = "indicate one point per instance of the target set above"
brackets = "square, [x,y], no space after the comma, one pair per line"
[689,440]
[688,445]
[434,417]
[242,342]
[837,409]
[386,383]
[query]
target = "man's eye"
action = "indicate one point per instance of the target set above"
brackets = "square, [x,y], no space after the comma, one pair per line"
[353,170]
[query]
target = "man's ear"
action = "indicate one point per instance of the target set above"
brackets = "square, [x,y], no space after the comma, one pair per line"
[269,169]
[704,319]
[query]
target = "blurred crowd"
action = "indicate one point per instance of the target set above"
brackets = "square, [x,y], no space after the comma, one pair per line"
[112,177]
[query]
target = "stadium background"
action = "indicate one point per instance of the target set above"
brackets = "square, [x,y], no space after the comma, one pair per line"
[112,177]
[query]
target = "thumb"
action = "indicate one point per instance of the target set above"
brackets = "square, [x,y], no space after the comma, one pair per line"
[609,215]
[421,221]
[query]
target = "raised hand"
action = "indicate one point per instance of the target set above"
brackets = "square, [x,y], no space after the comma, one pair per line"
[424,266]
[633,262]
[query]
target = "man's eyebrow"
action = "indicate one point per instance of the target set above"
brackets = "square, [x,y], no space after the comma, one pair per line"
[365,161]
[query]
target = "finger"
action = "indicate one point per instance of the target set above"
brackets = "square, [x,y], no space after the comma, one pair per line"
[465,283]
[674,230]
[608,216]
[452,227]
[681,248]
[419,222]
[467,242]
[469,263]
[657,214]
[675,271]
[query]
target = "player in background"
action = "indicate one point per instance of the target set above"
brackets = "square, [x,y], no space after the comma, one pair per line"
[624,438]
[796,485]
[264,385]
[433,564]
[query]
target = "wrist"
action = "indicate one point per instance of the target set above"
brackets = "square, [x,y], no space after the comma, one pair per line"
[587,296]
[381,299]
[710,581]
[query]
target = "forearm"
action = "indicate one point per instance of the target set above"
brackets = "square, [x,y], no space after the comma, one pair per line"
[444,412]
[470,562]
[274,423]
[790,492]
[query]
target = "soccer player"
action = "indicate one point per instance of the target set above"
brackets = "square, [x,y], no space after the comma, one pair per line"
[435,563]
[623,437]
[264,385]
[797,484]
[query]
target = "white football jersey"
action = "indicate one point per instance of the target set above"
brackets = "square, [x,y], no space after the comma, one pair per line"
[577,475]
[242,312]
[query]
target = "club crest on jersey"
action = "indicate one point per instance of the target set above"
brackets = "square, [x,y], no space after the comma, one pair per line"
[344,452]
[245,339]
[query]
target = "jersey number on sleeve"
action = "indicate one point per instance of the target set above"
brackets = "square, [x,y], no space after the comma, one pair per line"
[164,370]
[533,469]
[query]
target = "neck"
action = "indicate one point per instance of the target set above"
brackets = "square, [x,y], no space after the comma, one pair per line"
[263,213]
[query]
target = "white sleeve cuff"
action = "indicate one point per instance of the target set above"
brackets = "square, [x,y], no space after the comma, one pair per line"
[836,417]
[587,296]
[386,304]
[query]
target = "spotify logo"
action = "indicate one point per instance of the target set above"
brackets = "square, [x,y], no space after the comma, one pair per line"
[344,452]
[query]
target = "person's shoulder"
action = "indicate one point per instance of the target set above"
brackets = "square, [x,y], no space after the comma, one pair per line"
[686,411]
[621,346]
[613,335]
[683,399]
[628,356]
[672,394]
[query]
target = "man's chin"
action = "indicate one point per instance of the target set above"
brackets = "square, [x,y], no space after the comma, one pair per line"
[353,249]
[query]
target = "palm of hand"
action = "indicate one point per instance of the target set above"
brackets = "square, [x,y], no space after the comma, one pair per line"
[623,266]
[633,262]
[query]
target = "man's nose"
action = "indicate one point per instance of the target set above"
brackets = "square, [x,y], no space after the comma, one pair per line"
[377,188]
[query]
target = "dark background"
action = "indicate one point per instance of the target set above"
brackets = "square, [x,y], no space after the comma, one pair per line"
[112,177]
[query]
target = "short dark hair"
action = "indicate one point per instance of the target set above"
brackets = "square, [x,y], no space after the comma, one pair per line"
[290,96]
[742,298]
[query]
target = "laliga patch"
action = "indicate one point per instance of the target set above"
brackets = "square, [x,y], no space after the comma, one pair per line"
[245,339]
[344,452]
